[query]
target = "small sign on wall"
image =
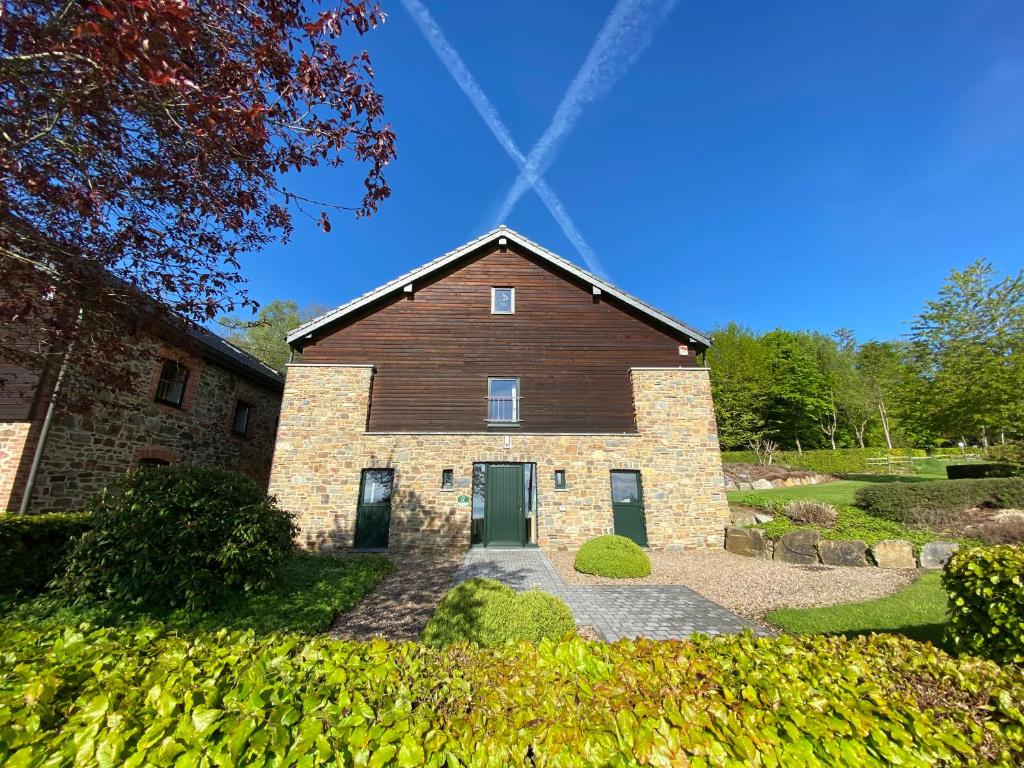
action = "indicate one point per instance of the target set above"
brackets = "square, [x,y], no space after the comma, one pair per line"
[684,350]
[462,500]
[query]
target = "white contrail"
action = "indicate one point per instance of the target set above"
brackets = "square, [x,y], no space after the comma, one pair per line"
[628,29]
[465,80]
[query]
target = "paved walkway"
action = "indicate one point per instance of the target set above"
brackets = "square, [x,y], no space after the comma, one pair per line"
[657,612]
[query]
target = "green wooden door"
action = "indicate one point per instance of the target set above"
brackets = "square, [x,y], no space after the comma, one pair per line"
[628,506]
[373,515]
[504,511]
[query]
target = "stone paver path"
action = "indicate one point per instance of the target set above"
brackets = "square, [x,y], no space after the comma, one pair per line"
[657,612]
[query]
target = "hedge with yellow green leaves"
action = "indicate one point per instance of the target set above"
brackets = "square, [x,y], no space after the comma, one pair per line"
[986,601]
[150,697]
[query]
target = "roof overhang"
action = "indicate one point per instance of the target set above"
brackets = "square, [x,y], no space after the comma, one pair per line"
[407,281]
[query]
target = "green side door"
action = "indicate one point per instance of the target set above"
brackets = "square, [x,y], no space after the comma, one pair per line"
[504,510]
[373,515]
[628,506]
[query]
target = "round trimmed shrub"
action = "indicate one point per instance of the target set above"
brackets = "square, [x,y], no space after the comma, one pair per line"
[489,613]
[170,537]
[613,556]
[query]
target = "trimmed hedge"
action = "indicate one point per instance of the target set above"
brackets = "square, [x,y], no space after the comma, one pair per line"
[986,601]
[489,613]
[614,557]
[151,697]
[906,502]
[34,548]
[967,471]
[179,536]
[842,461]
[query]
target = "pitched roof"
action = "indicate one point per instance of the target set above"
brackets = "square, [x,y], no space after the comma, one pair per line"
[226,353]
[307,329]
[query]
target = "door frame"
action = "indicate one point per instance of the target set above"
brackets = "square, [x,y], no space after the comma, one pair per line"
[522,502]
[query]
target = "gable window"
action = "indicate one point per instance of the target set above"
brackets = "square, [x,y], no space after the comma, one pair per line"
[559,479]
[170,390]
[503,301]
[447,479]
[240,424]
[503,401]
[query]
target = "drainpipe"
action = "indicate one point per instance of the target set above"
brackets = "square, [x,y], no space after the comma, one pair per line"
[41,443]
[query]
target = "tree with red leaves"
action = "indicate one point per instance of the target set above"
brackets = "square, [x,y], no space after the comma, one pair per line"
[142,144]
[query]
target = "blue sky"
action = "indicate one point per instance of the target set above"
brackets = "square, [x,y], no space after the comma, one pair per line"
[800,164]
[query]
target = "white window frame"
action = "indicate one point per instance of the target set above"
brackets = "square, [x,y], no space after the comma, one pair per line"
[512,303]
[515,400]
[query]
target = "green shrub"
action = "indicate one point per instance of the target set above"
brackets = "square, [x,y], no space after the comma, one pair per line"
[172,537]
[34,548]
[856,524]
[910,502]
[152,697]
[489,613]
[986,601]
[977,469]
[1011,454]
[615,557]
[843,461]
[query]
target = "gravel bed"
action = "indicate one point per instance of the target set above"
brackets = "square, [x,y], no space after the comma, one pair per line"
[753,587]
[400,606]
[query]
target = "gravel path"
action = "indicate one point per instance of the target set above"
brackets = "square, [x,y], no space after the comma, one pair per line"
[402,603]
[752,587]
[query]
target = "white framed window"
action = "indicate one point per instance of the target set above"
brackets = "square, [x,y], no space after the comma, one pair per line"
[502,401]
[503,301]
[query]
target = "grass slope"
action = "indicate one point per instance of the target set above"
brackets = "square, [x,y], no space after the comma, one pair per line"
[917,611]
[310,592]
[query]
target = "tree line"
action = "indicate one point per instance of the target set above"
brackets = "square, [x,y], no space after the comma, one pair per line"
[957,376]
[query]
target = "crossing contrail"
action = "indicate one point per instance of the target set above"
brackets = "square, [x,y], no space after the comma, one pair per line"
[487,111]
[627,31]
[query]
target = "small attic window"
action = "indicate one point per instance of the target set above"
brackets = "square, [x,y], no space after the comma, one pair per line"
[503,301]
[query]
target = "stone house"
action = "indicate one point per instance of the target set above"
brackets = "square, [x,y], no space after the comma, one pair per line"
[205,402]
[498,395]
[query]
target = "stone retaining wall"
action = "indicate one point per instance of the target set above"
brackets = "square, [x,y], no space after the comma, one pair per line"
[806,547]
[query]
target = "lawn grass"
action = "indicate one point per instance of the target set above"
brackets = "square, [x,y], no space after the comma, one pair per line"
[917,611]
[310,592]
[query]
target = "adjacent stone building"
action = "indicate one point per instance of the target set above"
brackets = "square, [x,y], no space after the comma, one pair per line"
[214,406]
[499,396]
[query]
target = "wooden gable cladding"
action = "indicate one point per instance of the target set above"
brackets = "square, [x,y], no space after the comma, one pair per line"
[434,349]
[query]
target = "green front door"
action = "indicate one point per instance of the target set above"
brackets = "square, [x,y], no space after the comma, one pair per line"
[628,506]
[373,515]
[504,510]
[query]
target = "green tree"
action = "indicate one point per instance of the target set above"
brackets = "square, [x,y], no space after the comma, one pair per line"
[881,375]
[798,393]
[264,337]
[967,348]
[739,380]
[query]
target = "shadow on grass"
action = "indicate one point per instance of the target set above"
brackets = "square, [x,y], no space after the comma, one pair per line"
[888,478]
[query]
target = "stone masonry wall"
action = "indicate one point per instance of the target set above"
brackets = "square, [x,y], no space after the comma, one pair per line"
[323,445]
[84,453]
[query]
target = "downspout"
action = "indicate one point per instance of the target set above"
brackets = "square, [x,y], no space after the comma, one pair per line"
[41,443]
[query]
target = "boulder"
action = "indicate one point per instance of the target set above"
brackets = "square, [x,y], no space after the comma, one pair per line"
[763,517]
[936,554]
[748,542]
[851,553]
[762,485]
[798,547]
[1008,514]
[742,521]
[894,553]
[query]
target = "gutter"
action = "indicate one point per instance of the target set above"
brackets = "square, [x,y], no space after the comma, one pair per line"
[45,431]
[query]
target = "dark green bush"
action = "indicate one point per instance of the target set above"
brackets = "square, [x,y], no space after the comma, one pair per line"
[34,548]
[910,502]
[615,557]
[156,698]
[1008,453]
[181,536]
[843,461]
[976,470]
[986,602]
[489,613]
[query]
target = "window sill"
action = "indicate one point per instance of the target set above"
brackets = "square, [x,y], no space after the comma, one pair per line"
[561,490]
[499,424]
[446,490]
